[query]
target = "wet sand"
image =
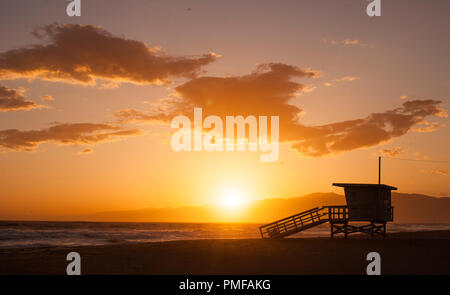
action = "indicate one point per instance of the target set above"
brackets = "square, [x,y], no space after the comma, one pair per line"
[401,253]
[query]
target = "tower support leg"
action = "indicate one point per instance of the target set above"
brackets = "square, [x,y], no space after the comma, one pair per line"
[372,229]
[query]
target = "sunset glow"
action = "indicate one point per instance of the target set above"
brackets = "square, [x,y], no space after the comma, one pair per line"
[232,198]
[86,103]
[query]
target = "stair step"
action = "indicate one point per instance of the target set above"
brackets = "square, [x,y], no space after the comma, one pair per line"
[298,229]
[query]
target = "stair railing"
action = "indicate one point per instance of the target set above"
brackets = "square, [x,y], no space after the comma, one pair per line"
[293,223]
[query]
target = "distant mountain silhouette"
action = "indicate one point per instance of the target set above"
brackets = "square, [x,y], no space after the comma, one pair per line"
[409,208]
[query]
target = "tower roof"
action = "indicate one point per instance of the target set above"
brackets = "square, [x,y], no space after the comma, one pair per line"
[365,185]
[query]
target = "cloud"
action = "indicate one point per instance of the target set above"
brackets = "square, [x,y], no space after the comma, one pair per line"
[343,79]
[47,98]
[133,116]
[366,132]
[354,42]
[269,91]
[85,152]
[419,156]
[263,92]
[441,172]
[13,100]
[74,133]
[346,79]
[392,153]
[83,53]
[426,126]
[346,42]
[309,88]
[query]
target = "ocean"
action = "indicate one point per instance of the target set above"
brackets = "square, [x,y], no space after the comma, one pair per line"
[24,234]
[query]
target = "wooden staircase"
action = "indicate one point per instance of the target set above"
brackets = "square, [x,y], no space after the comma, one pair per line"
[303,221]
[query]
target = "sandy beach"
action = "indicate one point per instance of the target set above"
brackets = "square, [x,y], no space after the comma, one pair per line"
[401,253]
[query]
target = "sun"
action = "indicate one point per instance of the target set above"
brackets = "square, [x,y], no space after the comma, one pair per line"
[232,198]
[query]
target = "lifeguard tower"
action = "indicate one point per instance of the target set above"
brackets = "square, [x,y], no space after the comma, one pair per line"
[367,211]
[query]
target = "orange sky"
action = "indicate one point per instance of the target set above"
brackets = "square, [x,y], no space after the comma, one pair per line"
[85,113]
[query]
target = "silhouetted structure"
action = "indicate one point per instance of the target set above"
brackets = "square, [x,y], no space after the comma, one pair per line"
[368,210]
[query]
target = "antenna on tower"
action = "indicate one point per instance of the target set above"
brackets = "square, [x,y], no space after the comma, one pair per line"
[379,169]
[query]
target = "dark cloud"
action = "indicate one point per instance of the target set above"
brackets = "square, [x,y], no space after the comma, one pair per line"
[76,133]
[269,91]
[375,129]
[13,100]
[263,92]
[82,53]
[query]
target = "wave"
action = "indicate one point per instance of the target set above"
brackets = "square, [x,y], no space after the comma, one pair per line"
[50,234]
